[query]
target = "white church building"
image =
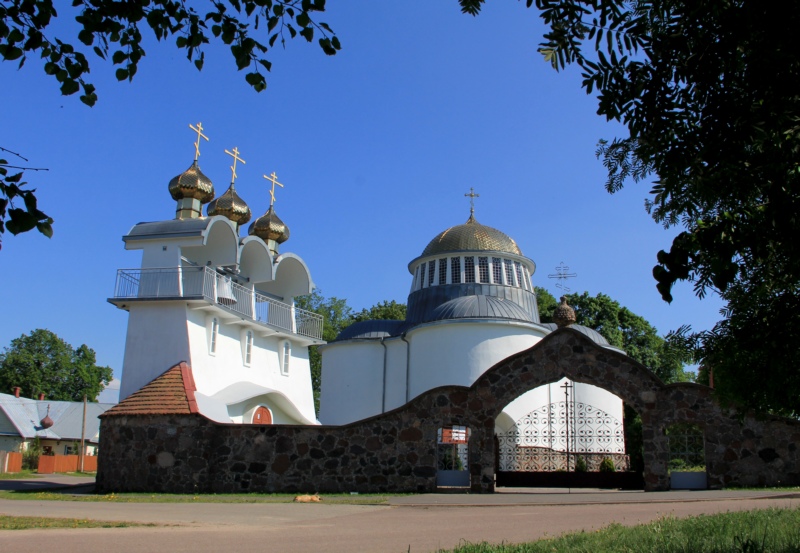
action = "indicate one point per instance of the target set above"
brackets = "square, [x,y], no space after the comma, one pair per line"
[221,302]
[472,304]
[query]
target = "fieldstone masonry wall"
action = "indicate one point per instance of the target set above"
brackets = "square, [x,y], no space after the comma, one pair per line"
[396,451]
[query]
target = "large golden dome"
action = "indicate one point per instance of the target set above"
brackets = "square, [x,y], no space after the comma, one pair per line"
[471,236]
[270,227]
[192,184]
[231,206]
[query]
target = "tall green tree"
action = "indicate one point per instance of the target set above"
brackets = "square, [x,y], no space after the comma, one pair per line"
[709,94]
[624,329]
[385,310]
[44,363]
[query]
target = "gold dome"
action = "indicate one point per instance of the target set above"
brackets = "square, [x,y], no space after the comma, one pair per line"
[231,206]
[192,184]
[471,236]
[270,227]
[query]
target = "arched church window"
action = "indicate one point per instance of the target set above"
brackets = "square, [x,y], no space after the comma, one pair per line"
[212,344]
[469,269]
[442,271]
[483,269]
[509,272]
[286,355]
[431,271]
[497,271]
[455,270]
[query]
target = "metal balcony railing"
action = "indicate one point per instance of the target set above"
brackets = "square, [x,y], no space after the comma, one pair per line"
[219,289]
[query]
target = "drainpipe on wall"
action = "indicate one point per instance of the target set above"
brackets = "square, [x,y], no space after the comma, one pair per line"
[383,399]
[408,362]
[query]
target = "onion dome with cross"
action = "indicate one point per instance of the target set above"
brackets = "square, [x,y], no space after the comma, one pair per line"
[191,189]
[230,205]
[269,227]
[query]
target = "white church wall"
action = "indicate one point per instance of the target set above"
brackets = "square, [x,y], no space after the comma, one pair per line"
[457,353]
[396,350]
[227,365]
[157,339]
[352,382]
[161,254]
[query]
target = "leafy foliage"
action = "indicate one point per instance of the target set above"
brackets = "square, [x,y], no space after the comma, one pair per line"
[623,329]
[708,91]
[44,363]
[385,310]
[109,29]
[13,217]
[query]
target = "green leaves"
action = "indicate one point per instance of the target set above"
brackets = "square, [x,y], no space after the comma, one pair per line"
[41,362]
[25,28]
[17,219]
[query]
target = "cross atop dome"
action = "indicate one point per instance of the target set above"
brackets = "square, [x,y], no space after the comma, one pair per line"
[199,130]
[472,195]
[235,155]
[273,178]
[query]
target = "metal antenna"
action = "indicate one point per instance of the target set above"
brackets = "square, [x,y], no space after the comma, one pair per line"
[562,274]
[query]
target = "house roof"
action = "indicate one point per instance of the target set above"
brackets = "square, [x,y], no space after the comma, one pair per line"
[172,393]
[26,414]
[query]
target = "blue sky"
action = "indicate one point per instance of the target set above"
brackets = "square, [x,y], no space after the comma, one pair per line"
[376,146]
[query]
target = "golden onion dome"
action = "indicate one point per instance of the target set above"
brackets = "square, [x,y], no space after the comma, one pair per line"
[471,236]
[192,184]
[270,227]
[231,206]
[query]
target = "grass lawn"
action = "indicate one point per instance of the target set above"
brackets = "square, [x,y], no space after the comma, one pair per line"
[17,475]
[757,531]
[28,523]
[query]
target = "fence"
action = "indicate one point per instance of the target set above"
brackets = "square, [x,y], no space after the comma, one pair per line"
[10,461]
[48,464]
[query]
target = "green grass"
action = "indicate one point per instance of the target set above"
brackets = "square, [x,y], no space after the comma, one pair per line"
[28,523]
[332,499]
[16,475]
[758,531]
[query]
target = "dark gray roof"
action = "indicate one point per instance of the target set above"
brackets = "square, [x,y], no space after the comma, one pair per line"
[480,307]
[372,329]
[424,305]
[175,228]
[590,333]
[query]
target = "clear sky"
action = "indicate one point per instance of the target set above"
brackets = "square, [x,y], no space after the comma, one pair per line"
[376,146]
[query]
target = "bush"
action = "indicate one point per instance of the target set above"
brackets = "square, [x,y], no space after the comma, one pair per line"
[607,465]
[30,457]
[580,465]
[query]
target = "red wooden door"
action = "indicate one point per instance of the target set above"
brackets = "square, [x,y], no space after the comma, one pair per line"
[262,416]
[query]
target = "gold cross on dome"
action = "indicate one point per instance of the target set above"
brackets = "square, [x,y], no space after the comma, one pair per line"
[199,130]
[273,178]
[235,155]
[472,195]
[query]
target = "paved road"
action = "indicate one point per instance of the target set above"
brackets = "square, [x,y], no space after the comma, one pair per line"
[411,523]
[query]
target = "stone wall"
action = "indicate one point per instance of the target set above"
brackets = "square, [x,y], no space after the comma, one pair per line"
[396,451]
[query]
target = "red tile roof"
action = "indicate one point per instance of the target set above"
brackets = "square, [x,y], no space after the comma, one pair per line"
[172,393]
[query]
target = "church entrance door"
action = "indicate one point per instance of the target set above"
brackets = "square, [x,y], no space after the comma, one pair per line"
[262,416]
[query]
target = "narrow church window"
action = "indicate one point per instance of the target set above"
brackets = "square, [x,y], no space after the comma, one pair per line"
[509,272]
[417,285]
[212,346]
[442,271]
[287,354]
[248,347]
[483,267]
[455,270]
[422,275]
[497,271]
[431,271]
[469,269]
[519,275]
